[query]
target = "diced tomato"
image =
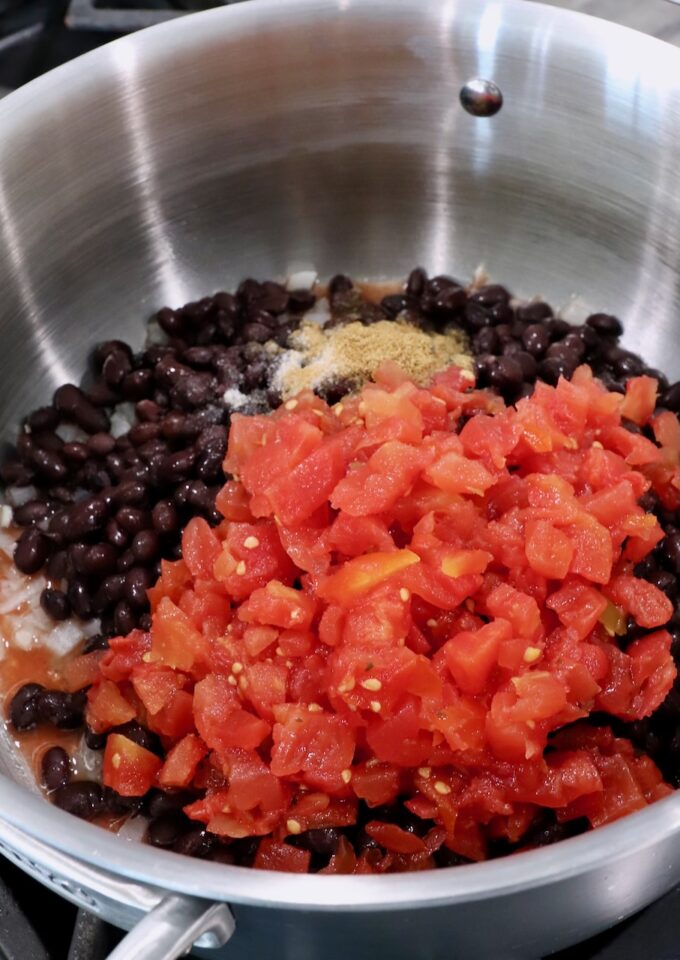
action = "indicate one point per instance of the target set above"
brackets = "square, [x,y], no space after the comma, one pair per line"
[640,399]
[129,769]
[471,656]
[375,486]
[549,551]
[220,719]
[272,855]
[180,764]
[200,548]
[279,606]
[392,837]
[519,609]
[641,599]
[400,612]
[155,685]
[377,784]
[107,707]
[82,671]
[317,745]
[363,573]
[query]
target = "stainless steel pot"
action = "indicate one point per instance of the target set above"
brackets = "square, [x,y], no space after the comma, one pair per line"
[272,136]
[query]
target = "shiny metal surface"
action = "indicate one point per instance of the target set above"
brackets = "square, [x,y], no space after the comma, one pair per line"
[481,98]
[273,136]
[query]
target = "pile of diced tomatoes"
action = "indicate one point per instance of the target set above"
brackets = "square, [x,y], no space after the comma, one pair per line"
[414,597]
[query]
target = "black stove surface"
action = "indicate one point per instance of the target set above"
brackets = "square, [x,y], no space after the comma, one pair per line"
[35,36]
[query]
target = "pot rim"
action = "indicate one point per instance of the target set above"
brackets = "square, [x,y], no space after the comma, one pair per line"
[86,842]
[605,847]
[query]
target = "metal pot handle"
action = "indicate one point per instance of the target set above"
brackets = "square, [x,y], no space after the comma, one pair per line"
[165,925]
[171,928]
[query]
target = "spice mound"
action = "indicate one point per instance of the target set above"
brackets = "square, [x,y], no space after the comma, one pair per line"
[350,353]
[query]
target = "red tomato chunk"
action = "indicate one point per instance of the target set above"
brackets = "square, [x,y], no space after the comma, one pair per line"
[393,612]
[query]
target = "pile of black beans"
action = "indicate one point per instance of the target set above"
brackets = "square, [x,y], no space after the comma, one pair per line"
[108,509]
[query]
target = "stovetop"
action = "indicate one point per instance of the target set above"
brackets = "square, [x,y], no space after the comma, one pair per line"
[35,36]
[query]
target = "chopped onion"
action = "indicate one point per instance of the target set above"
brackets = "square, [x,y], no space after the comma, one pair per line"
[301,280]
[18,496]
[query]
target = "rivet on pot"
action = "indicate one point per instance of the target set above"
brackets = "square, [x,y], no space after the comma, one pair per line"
[481,98]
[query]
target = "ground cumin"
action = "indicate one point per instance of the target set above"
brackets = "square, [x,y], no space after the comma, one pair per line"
[352,352]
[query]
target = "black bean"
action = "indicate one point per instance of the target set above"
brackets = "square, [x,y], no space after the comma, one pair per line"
[605,324]
[490,295]
[32,550]
[255,333]
[86,516]
[670,548]
[123,618]
[141,736]
[125,561]
[99,560]
[164,517]
[300,301]
[55,604]
[100,444]
[49,464]
[56,768]
[62,710]
[449,301]
[170,321]
[76,452]
[146,546]
[24,711]
[130,492]
[44,418]
[137,582]
[117,804]
[511,348]
[536,339]
[416,283]
[476,316]
[98,641]
[115,535]
[145,621]
[274,298]
[533,312]
[143,433]
[323,840]
[15,473]
[558,328]
[166,830]
[528,365]
[486,341]
[105,349]
[95,741]
[111,590]
[338,285]
[589,337]
[116,366]
[393,304]
[31,512]
[670,399]
[177,466]
[102,395]
[79,598]
[196,842]
[553,368]
[628,365]
[47,440]
[59,565]
[508,372]
[132,519]
[575,345]
[82,798]
[667,582]
[77,553]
